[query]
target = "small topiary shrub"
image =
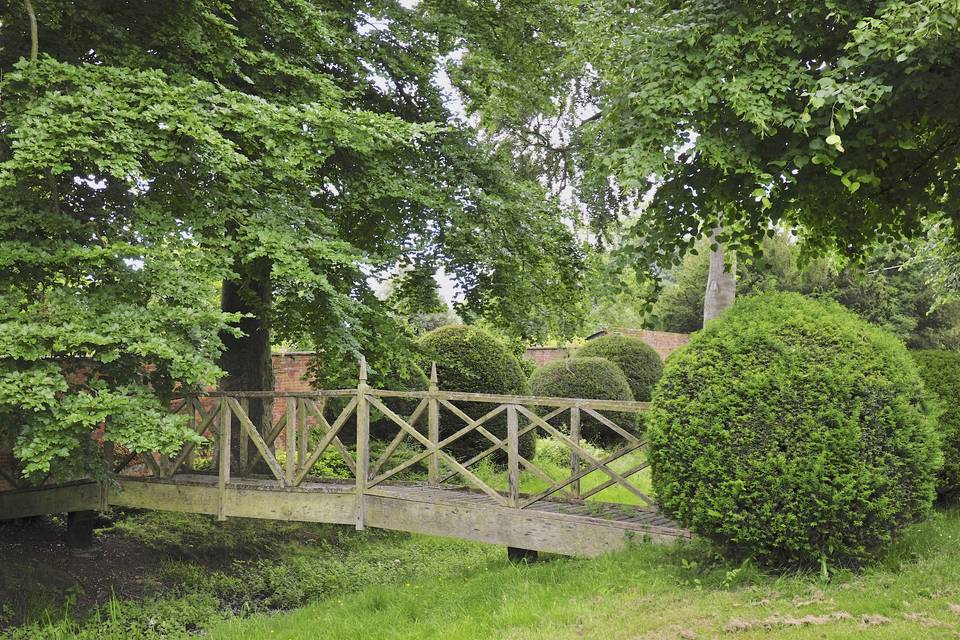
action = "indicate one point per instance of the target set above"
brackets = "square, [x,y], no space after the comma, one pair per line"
[595,378]
[638,361]
[940,371]
[793,432]
[472,360]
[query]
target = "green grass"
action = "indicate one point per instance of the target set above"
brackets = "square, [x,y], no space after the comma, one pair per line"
[649,592]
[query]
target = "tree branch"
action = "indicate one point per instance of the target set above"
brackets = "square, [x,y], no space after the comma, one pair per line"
[34,45]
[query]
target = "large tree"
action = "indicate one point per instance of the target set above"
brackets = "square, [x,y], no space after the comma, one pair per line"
[156,158]
[835,118]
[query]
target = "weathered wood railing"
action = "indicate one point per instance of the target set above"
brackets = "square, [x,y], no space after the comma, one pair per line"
[223,418]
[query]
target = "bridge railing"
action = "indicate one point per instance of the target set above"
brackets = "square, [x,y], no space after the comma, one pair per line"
[309,424]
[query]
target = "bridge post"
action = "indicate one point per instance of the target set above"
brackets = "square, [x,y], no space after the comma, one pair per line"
[513,455]
[223,447]
[515,554]
[574,455]
[363,442]
[433,418]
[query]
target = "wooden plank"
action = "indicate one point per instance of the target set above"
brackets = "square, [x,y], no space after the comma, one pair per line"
[244,461]
[363,444]
[302,438]
[433,428]
[490,398]
[574,456]
[513,455]
[324,393]
[261,446]
[540,531]
[223,449]
[291,466]
[37,501]
[543,401]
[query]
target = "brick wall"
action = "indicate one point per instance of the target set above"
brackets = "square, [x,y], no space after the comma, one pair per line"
[543,355]
[663,342]
[290,374]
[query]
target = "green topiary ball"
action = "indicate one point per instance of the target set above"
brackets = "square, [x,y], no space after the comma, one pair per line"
[638,361]
[793,432]
[940,371]
[472,360]
[595,378]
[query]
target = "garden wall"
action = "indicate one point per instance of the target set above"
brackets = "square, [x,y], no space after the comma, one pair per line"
[663,342]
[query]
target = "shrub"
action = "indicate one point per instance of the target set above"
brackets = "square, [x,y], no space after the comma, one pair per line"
[471,360]
[791,431]
[595,378]
[638,361]
[940,371]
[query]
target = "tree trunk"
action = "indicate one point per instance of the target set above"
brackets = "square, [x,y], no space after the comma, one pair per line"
[721,283]
[246,358]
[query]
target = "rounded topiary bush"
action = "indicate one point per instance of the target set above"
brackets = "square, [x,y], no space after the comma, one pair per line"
[472,360]
[793,432]
[638,361]
[940,371]
[595,378]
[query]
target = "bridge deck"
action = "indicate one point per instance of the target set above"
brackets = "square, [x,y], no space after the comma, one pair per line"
[556,525]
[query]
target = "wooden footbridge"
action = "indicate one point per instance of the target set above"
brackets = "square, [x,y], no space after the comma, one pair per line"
[220,478]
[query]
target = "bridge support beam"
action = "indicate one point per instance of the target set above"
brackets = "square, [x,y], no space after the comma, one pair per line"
[518,555]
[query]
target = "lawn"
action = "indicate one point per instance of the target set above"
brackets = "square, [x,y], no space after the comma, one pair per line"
[682,591]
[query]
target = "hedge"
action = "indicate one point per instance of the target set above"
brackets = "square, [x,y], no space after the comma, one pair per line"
[638,361]
[793,432]
[472,360]
[940,371]
[596,378]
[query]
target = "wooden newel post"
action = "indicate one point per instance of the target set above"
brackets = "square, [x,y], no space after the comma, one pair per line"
[513,455]
[363,441]
[291,467]
[223,449]
[574,455]
[433,418]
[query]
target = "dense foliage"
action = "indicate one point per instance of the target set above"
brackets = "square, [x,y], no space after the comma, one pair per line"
[638,361]
[588,377]
[940,370]
[157,157]
[889,289]
[793,432]
[473,360]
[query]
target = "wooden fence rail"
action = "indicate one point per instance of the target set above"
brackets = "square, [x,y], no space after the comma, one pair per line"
[237,446]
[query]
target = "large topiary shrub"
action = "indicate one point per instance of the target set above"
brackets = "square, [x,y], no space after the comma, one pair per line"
[595,378]
[940,371]
[472,360]
[791,431]
[638,361]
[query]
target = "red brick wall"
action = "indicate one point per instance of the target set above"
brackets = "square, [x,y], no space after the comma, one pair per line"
[543,355]
[663,342]
[290,374]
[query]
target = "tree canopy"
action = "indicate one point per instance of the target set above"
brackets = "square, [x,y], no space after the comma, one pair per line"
[153,154]
[834,118]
